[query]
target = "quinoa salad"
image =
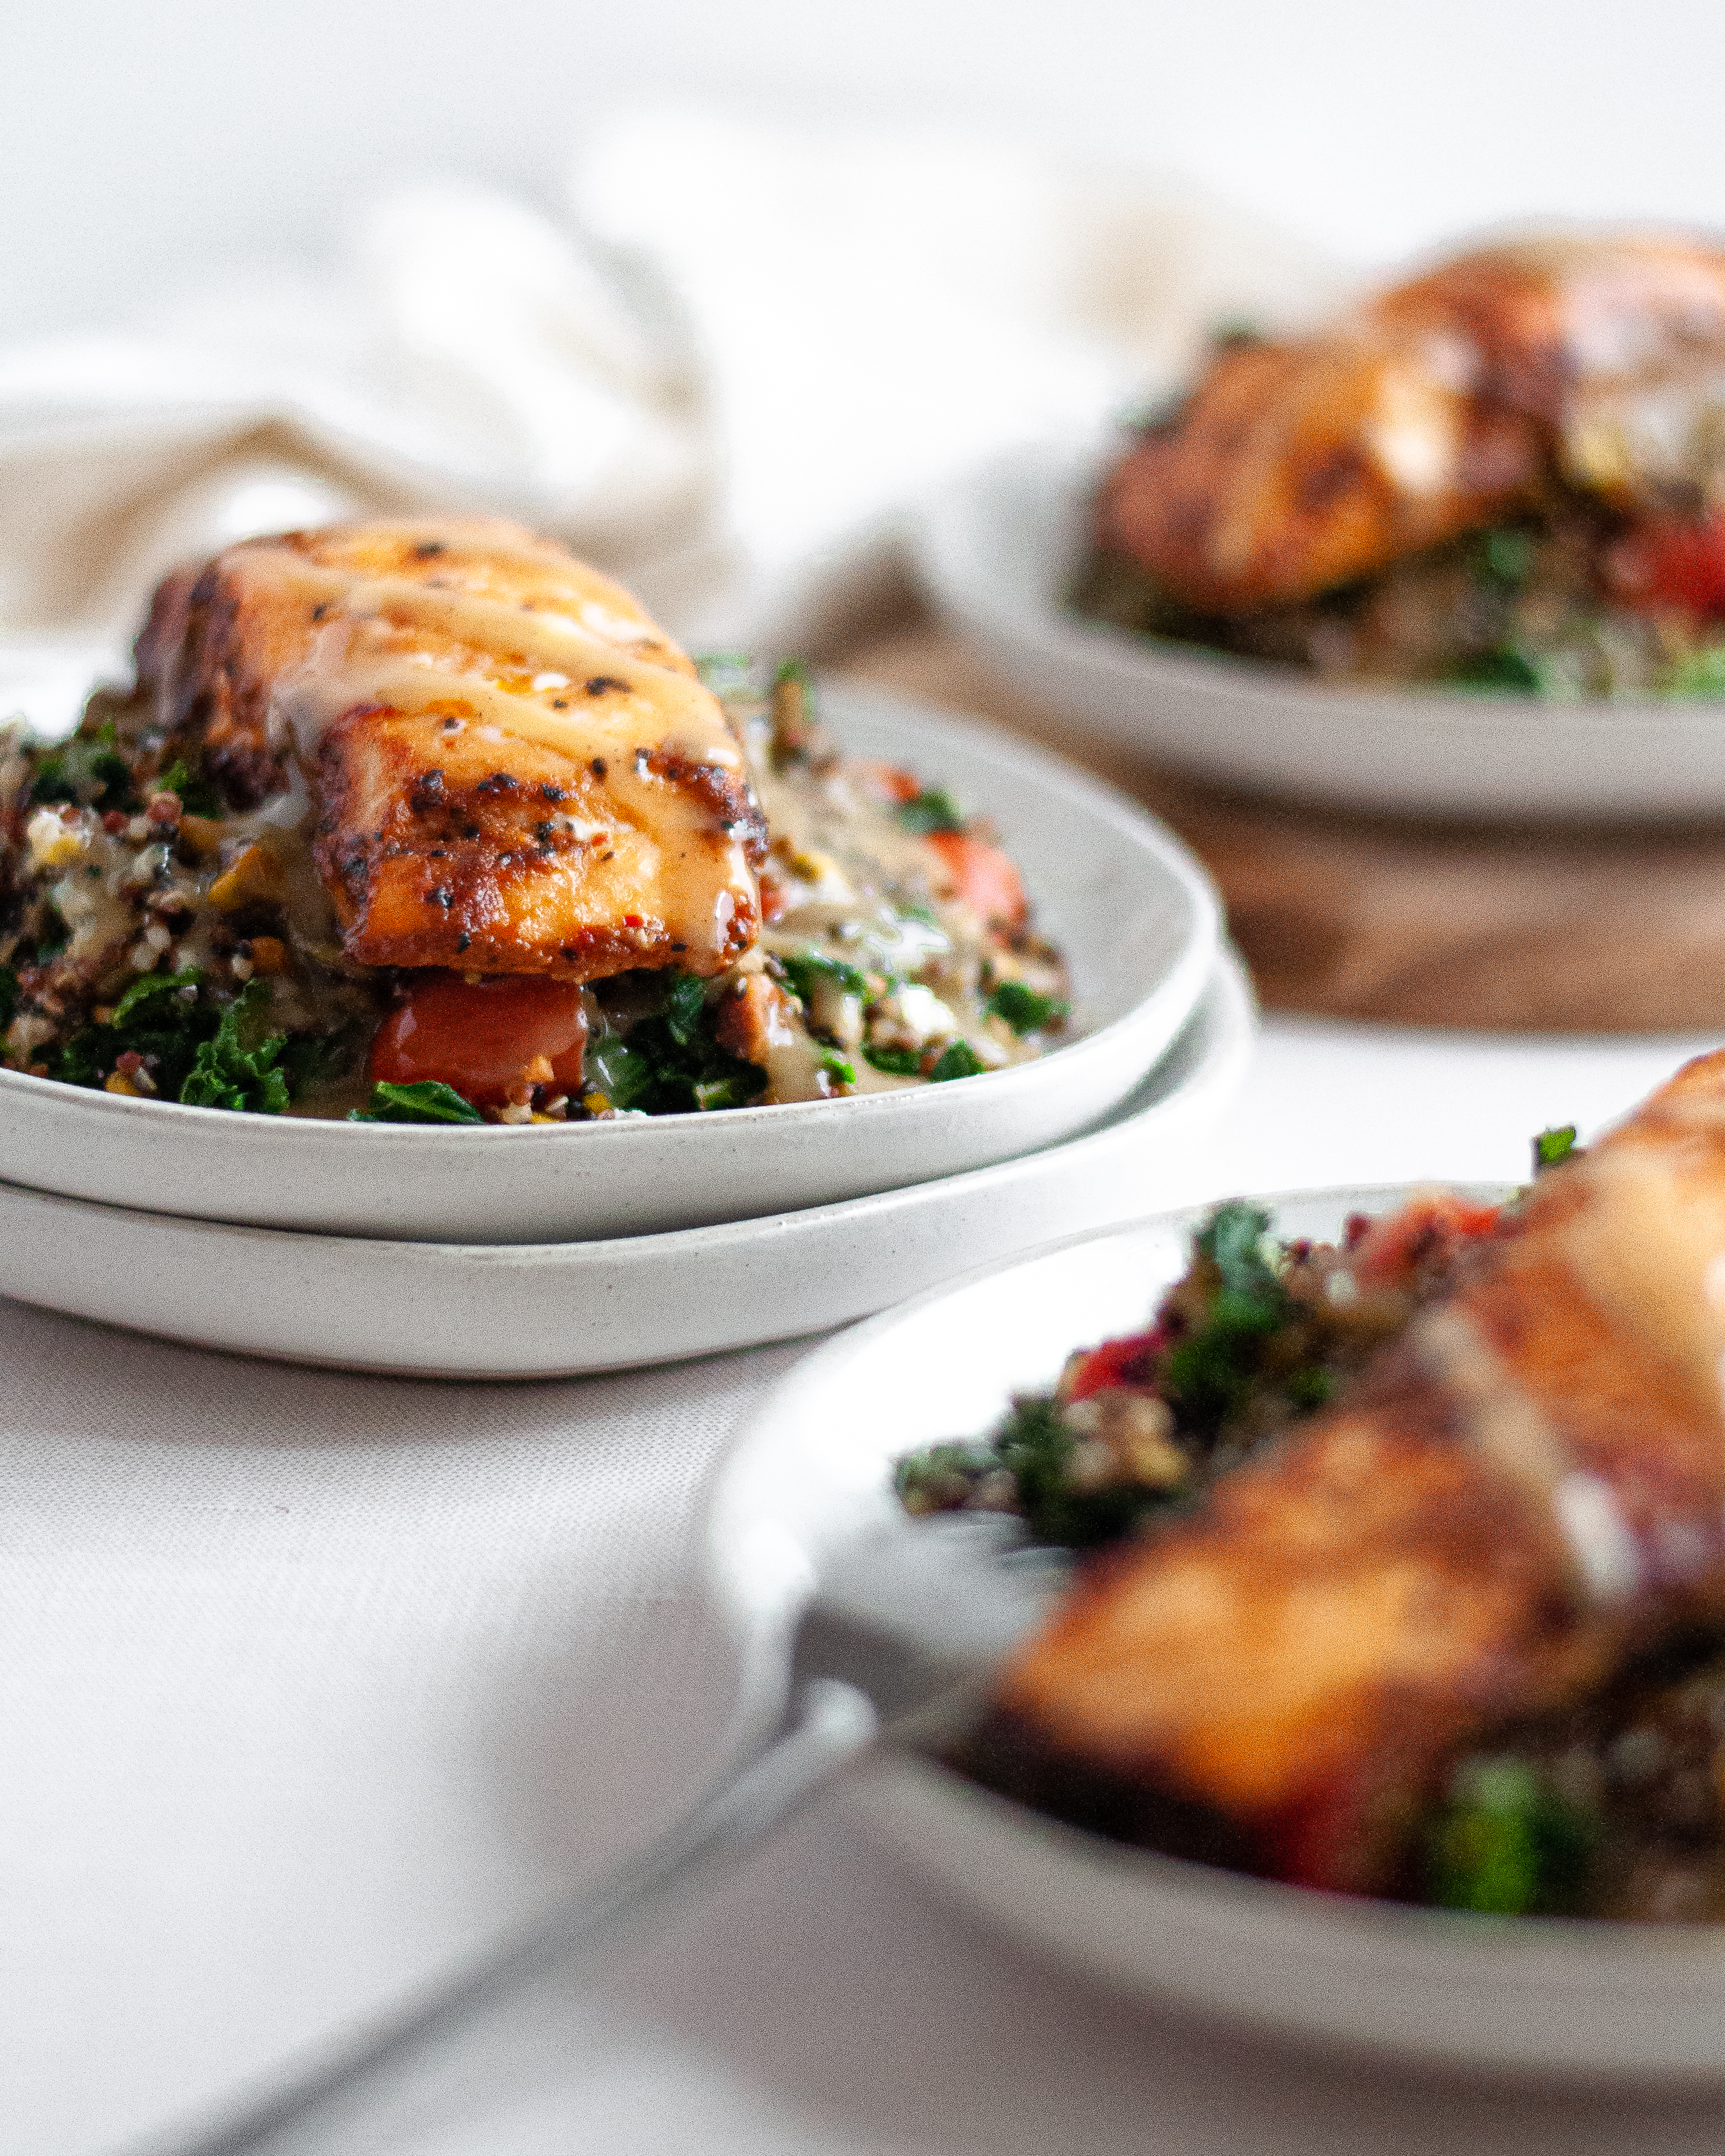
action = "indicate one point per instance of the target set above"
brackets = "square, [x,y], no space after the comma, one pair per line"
[163,937]
[1612,1808]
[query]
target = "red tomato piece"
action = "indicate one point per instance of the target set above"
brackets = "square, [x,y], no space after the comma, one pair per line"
[1667,563]
[982,876]
[1131,1360]
[482,1037]
[1430,1227]
[897,784]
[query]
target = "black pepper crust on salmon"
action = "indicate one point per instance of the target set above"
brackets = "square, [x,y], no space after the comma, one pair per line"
[516,770]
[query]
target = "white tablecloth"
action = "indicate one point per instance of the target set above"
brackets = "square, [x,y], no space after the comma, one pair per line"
[310,1681]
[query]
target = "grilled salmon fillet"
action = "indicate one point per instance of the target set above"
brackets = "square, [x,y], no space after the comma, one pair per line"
[510,767]
[1525,1492]
[1430,411]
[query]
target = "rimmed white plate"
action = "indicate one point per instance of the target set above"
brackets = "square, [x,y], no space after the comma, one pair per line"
[997,550]
[1132,910]
[1590,2000]
[516,1311]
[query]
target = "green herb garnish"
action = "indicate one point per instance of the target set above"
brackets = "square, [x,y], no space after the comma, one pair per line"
[1023,1009]
[425,1101]
[898,1062]
[713,1093]
[933,810]
[237,1068]
[837,1066]
[1033,1446]
[958,1059]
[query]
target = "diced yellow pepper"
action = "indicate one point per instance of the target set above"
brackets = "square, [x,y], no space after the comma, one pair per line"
[255,879]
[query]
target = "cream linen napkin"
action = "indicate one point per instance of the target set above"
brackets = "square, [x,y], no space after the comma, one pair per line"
[723,374]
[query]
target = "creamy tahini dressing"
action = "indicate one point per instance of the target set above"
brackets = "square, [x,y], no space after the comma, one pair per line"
[514,664]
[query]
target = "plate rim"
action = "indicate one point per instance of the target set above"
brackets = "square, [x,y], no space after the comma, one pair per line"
[1057,468]
[1216,1045]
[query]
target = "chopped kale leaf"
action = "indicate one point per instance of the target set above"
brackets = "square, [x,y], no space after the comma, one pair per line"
[1023,1009]
[808,972]
[198,797]
[1505,668]
[1506,1844]
[1553,1146]
[1504,558]
[426,1100]
[165,1018]
[670,1063]
[933,810]
[958,1059]
[1211,1371]
[684,1007]
[236,1068]
[621,1073]
[151,988]
[1032,1453]
[87,771]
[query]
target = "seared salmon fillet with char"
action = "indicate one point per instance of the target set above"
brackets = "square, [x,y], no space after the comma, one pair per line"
[1296,466]
[1523,1494]
[513,769]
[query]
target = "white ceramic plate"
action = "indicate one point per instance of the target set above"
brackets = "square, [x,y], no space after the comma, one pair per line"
[998,549]
[1502,1994]
[1129,906]
[492,1310]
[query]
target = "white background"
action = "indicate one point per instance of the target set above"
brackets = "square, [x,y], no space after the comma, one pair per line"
[143,147]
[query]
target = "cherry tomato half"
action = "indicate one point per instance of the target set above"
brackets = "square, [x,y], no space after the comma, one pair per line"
[982,876]
[482,1037]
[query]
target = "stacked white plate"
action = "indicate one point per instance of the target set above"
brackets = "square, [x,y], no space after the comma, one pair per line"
[488,1253]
